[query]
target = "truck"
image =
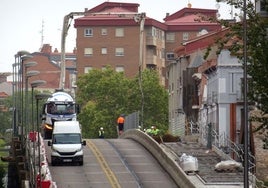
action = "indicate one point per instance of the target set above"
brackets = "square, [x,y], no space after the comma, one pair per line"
[59,107]
[66,143]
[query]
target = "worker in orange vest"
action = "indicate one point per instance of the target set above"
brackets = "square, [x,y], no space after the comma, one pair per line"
[120,123]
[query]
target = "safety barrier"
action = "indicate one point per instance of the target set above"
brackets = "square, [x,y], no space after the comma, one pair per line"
[40,172]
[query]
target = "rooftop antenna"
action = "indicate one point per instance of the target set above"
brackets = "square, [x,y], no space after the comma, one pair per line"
[42,35]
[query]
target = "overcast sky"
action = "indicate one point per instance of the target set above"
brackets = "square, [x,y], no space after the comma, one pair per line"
[22,20]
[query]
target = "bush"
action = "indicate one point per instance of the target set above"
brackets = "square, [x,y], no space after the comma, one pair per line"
[166,138]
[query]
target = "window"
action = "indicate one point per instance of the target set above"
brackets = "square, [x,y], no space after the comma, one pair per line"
[87,69]
[88,51]
[119,32]
[103,31]
[170,56]
[119,52]
[88,32]
[185,36]
[170,37]
[104,50]
[119,68]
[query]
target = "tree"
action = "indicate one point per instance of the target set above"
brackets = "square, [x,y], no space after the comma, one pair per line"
[155,100]
[105,94]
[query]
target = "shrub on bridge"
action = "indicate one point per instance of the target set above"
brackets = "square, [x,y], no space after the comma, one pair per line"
[166,138]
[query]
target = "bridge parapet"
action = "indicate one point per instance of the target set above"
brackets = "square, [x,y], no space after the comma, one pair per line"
[164,156]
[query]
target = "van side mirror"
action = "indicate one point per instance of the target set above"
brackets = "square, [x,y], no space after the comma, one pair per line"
[84,143]
[49,143]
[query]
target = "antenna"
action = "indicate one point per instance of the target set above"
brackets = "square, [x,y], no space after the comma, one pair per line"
[42,35]
[218,7]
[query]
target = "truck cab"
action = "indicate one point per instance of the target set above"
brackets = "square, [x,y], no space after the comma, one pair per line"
[60,107]
[66,144]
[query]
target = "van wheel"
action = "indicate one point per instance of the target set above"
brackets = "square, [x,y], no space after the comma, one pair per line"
[81,163]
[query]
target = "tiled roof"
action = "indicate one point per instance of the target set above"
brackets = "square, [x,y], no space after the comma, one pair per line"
[109,5]
[200,42]
[194,19]
[3,95]
[191,11]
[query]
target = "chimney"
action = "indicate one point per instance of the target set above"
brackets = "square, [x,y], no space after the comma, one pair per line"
[75,50]
[56,50]
[46,49]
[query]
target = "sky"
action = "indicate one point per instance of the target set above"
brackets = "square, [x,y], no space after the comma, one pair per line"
[27,24]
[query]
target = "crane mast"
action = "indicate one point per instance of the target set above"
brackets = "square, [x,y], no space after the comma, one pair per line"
[65,28]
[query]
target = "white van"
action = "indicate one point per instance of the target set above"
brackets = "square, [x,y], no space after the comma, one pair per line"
[66,144]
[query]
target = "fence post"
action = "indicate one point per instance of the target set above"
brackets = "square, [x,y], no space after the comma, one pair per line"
[209,141]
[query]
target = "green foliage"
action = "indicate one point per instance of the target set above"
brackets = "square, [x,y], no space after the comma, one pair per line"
[105,94]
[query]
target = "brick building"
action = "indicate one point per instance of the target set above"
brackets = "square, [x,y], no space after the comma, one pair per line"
[111,34]
[48,64]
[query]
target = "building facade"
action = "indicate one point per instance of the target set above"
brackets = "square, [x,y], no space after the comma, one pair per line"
[207,89]
[114,34]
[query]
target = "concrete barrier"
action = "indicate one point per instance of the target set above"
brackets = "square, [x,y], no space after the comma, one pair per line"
[164,157]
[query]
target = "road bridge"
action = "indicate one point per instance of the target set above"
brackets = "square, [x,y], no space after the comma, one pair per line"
[133,160]
[136,160]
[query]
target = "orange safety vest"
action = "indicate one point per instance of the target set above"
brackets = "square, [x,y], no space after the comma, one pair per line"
[120,120]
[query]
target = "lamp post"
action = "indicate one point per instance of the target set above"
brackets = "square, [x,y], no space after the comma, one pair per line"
[39,97]
[14,98]
[16,89]
[246,137]
[20,57]
[34,84]
[28,75]
[23,68]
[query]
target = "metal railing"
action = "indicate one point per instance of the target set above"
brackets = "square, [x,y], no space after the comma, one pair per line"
[231,149]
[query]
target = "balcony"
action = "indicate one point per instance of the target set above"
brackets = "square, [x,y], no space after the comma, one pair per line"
[151,60]
[150,40]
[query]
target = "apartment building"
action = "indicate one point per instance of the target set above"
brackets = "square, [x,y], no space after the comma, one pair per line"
[187,24]
[114,34]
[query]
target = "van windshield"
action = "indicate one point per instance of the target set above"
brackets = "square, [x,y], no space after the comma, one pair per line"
[66,138]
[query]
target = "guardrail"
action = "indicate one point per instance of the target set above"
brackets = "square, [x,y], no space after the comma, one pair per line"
[39,170]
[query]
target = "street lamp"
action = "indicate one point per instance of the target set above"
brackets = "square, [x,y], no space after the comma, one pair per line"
[16,89]
[21,56]
[28,75]
[34,84]
[14,98]
[246,137]
[22,67]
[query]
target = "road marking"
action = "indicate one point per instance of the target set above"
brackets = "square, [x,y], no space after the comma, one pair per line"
[104,165]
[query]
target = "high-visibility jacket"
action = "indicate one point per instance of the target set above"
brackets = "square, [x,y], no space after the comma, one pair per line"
[120,120]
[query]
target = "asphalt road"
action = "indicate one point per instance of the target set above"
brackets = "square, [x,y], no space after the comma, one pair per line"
[112,163]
